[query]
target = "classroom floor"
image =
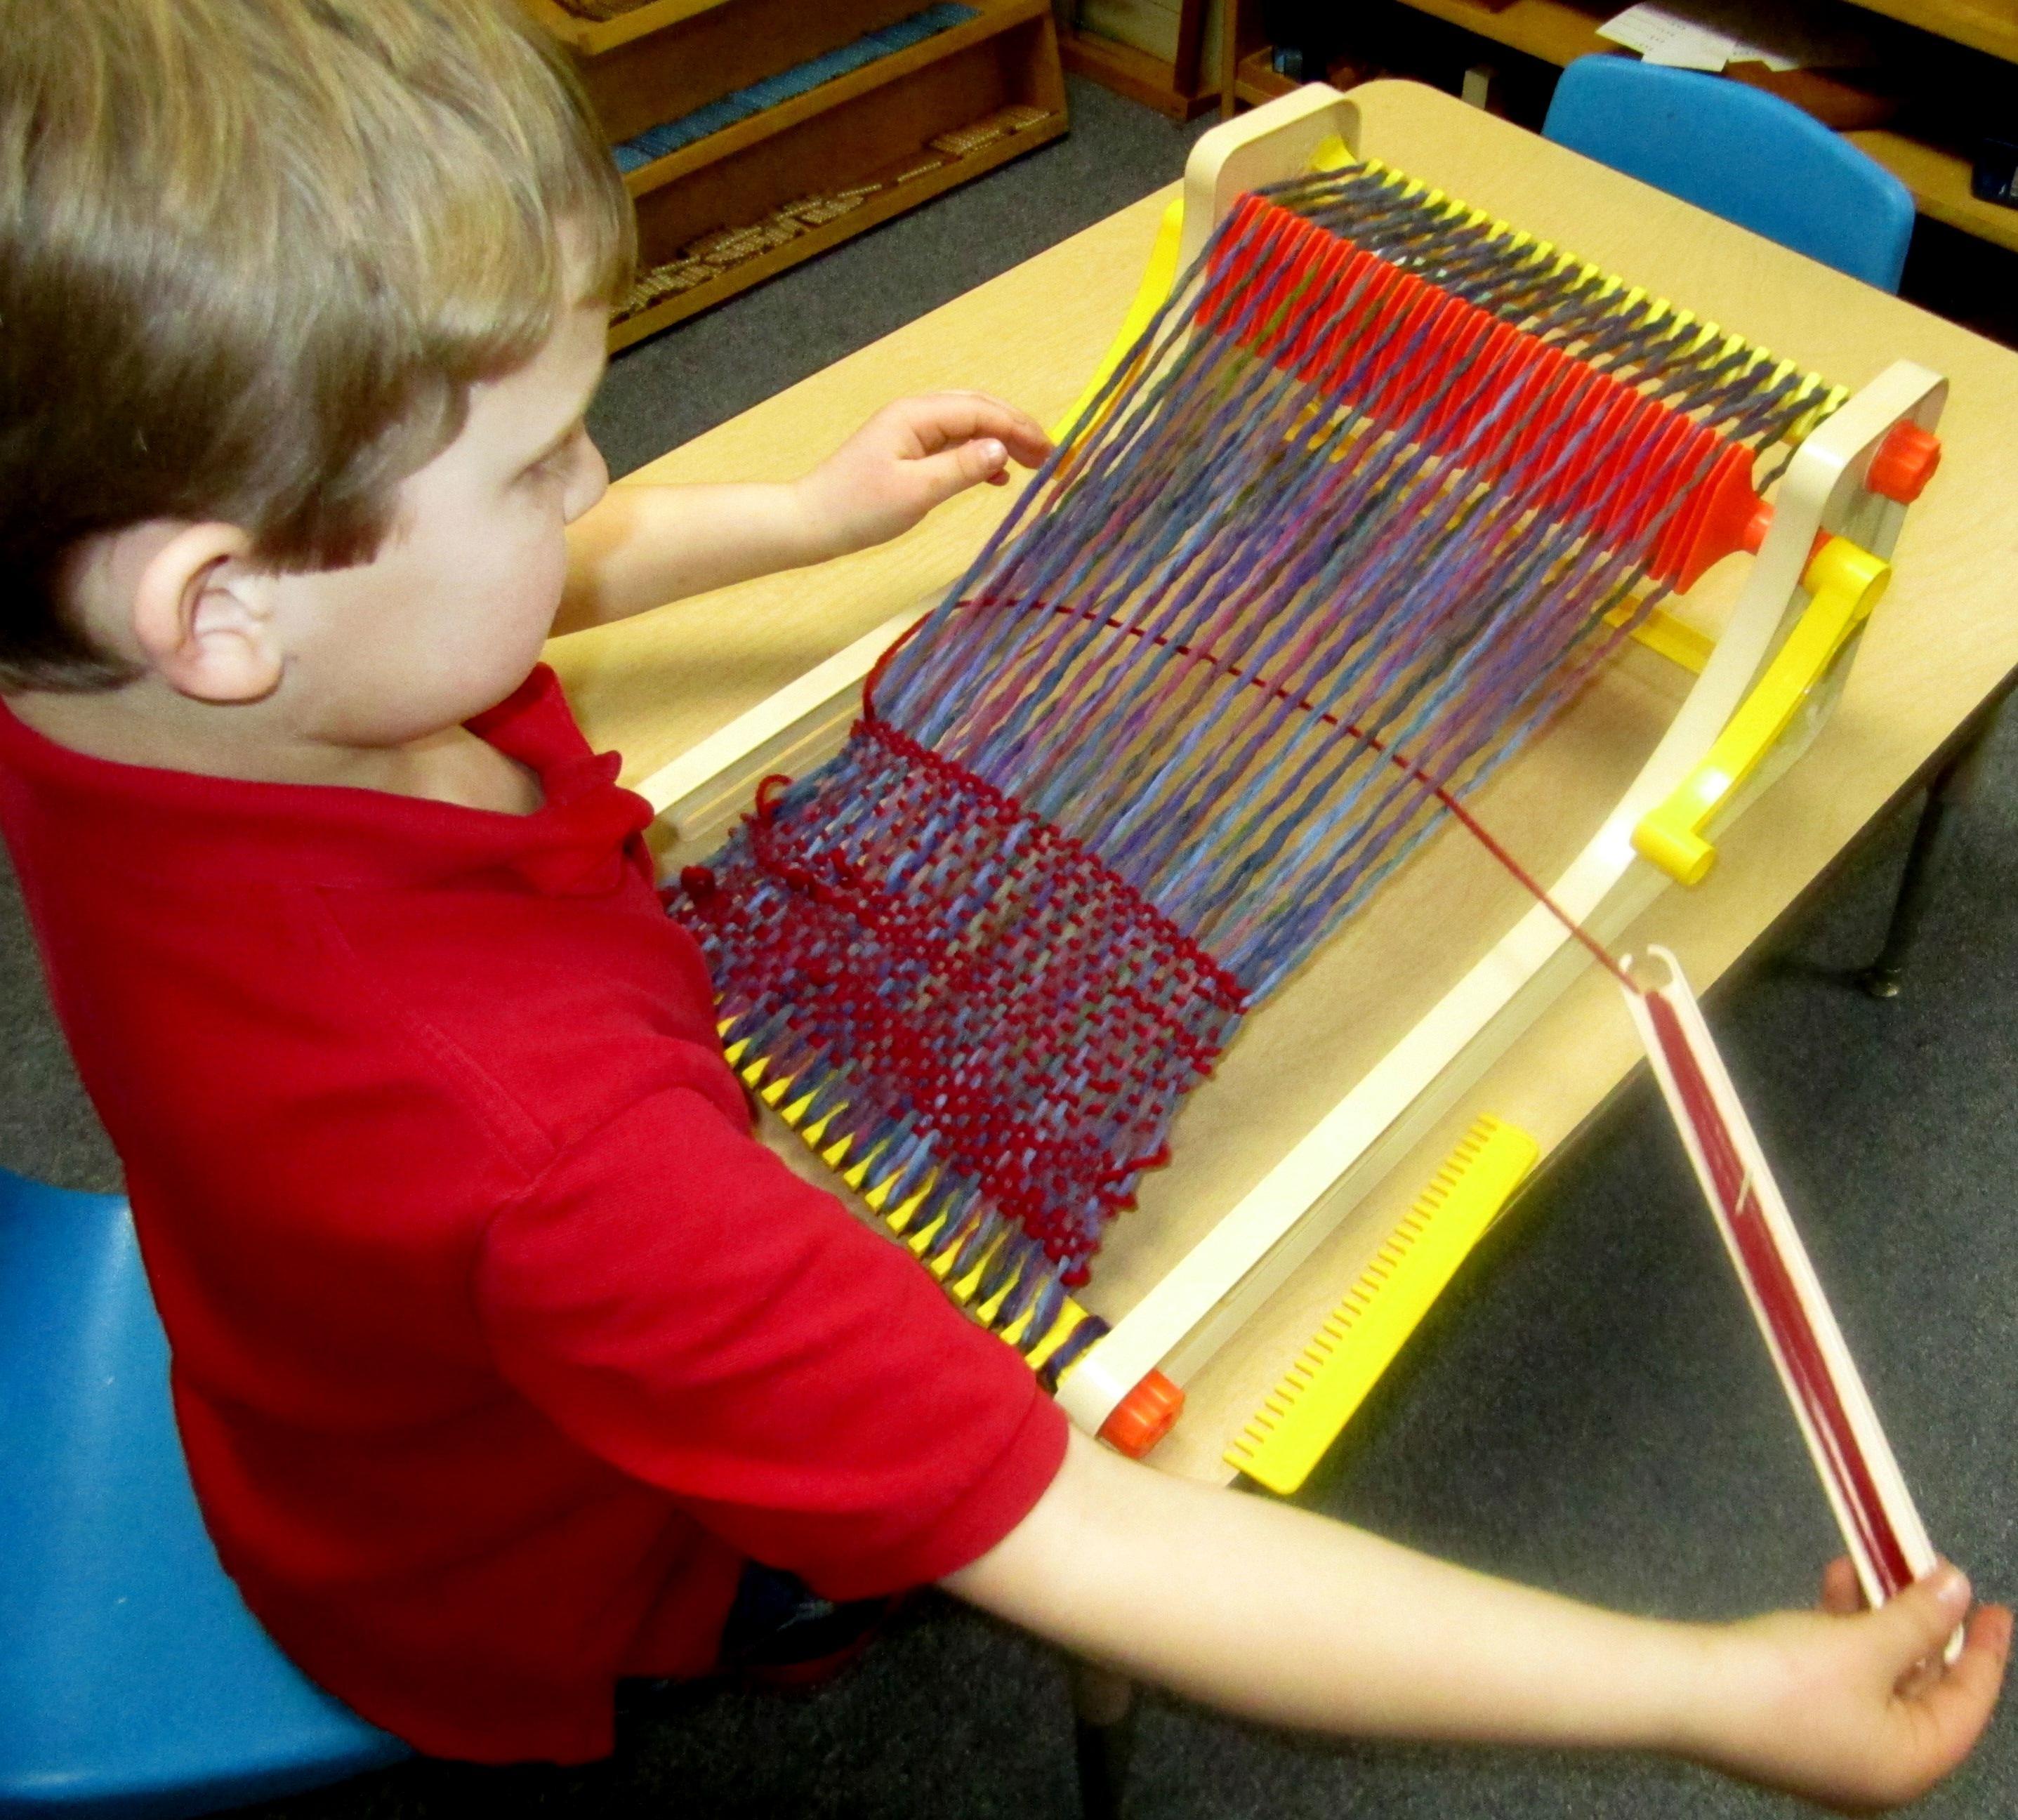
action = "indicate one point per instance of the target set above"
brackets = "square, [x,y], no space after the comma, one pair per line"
[1590,1410]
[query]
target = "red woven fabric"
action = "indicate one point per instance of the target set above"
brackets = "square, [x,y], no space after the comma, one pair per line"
[988,980]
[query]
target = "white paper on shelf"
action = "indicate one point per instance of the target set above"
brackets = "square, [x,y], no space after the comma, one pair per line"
[1707,34]
[1661,35]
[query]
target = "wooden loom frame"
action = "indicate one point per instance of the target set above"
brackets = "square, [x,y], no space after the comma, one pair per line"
[1209,1292]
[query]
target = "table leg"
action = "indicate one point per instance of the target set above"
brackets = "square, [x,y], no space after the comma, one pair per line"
[1103,1726]
[1949,791]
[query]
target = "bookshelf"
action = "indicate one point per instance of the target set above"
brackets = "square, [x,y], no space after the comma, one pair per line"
[827,161]
[1982,25]
[1151,51]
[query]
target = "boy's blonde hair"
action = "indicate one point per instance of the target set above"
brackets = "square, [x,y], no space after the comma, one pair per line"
[253,256]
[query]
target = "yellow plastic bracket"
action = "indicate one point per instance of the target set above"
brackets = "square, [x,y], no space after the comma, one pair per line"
[1663,633]
[1332,154]
[1290,1432]
[1151,294]
[1845,583]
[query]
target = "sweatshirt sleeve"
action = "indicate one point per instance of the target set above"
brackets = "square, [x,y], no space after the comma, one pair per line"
[677,1300]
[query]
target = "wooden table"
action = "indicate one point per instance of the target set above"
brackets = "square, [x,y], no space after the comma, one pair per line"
[1944,642]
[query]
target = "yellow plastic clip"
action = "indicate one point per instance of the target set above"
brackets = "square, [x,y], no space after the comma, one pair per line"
[1846,583]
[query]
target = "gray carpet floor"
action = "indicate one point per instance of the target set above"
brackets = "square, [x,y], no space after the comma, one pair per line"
[1589,1410]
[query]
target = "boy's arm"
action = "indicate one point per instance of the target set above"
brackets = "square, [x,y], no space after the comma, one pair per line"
[1263,1609]
[643,545]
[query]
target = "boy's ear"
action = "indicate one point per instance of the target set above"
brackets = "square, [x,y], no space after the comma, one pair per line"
[203,618]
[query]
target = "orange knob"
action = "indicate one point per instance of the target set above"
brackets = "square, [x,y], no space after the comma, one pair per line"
[1144,1416]
[1905,462]
[1761,521]
[1756,527]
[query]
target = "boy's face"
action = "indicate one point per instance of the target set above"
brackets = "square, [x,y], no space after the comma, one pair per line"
[450,616]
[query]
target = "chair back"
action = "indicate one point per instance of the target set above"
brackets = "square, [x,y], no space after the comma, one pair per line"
[1741,154]
[134,1684]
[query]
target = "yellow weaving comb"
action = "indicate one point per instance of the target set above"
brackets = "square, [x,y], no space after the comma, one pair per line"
[1331,1377]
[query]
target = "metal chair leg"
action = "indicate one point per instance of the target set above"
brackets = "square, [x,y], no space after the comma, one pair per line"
[1950,791]
[1104,1735]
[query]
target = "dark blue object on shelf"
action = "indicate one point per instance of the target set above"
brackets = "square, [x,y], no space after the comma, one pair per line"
[745,103]
[1741,154]
[133,1681]
[1994,176]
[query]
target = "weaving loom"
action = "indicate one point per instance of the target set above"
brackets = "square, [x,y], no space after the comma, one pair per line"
[1374,496]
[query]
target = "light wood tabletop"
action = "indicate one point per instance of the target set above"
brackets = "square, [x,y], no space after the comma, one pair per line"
[1944,639]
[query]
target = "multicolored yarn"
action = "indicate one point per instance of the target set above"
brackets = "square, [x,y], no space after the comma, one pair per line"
[1374,494]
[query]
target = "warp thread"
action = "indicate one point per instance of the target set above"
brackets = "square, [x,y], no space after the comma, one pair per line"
[1370,499]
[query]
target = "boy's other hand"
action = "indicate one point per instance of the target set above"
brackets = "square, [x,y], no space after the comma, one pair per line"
[910,457]
[1851,1707]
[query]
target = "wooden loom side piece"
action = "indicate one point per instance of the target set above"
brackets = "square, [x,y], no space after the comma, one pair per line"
[1280,140]
[1218,1285]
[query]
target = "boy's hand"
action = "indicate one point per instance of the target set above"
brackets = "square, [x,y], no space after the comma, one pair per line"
[1852,1707]
[910,457]
[1263,1609]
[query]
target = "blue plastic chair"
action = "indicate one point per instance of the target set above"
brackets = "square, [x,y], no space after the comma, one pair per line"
[1741,153]
[133,1681]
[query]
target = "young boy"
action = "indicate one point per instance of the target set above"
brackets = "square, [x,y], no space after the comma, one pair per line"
[500,1347]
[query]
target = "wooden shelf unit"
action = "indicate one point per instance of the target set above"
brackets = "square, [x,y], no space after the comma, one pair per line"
[1558,31]
[662,60]
[878,208]
[1982,25]
[996,16]
[1180,89]
[1939,181]
[593,37]
[1256,80]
